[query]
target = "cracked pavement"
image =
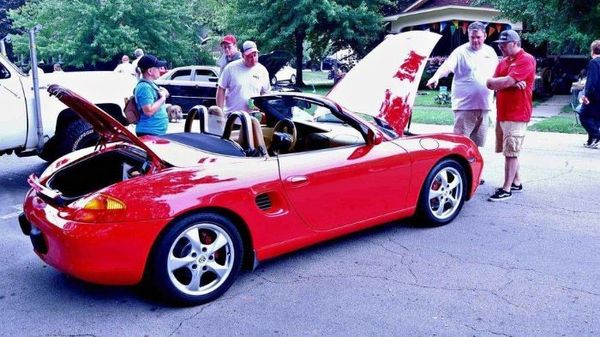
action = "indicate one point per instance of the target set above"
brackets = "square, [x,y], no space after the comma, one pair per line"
[524,267]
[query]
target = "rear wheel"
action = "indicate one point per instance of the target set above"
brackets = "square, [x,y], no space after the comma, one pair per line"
[443,193]
[274,80]
[293,79]
[197,259]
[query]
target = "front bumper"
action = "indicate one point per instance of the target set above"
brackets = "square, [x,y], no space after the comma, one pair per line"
[102,253]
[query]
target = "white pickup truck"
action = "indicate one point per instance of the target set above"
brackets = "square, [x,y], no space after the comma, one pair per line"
[61,129]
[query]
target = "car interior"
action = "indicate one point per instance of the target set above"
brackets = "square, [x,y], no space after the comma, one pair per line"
[280,125]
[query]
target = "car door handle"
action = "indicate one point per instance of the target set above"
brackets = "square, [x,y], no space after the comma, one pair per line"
[297,179]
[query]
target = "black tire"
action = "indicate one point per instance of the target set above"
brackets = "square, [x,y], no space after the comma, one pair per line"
[274,80]
[293,79]
[49,151]
[443,194]
[175,262]
[77,135]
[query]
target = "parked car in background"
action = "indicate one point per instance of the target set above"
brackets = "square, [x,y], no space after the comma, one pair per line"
[286,74]
[281,75]
[191,85]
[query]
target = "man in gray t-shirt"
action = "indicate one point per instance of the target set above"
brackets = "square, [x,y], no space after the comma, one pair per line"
[472,63]
[242,80]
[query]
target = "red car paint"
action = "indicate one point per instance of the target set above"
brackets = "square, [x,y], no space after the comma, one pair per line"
[316,195]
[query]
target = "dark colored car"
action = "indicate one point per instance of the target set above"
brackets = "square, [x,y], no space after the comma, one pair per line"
[191,85]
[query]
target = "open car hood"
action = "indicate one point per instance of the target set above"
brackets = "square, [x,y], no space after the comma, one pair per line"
[109,129]
[274,61]
[385,82]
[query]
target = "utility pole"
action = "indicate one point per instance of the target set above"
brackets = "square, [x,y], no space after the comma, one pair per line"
[36,85]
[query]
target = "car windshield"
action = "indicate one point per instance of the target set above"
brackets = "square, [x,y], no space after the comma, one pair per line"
[304,109]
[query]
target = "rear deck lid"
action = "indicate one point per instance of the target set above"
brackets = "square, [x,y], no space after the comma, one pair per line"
[109,129]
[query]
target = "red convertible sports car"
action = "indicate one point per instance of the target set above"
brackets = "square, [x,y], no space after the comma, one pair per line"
[185,211]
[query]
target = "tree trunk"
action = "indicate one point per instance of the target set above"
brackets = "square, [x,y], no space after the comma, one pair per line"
[300,35]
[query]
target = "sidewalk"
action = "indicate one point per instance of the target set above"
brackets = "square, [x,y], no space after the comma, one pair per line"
[550,107]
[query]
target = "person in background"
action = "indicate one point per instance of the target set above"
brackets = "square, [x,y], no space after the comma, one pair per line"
[242,80]
[472,63]
[57,67]
[513,83]
[590,101]
[39,68]
[138,53]
[150,99]
[125,67]
[230,51]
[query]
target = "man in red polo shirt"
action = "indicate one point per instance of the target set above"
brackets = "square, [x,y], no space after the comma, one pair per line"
[513,83]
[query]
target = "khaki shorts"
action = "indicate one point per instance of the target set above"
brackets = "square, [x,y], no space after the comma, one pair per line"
[472,123]
[509,137]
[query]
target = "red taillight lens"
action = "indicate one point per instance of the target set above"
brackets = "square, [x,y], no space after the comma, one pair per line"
[104,202]
[96,208]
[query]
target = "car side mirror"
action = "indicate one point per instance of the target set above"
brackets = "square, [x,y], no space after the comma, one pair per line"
[374,137]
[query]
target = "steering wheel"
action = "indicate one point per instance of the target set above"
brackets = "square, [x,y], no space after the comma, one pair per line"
[288,127]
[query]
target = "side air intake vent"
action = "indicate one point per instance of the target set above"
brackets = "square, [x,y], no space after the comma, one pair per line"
[263,201]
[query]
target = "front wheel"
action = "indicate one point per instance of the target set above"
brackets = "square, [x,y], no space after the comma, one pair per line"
[196,260]
[443,193]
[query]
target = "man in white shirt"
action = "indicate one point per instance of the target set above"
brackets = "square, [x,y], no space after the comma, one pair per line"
[125,67]
[472,63]
[241,80]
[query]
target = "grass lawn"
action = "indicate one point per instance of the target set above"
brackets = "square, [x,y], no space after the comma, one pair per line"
[565,122]
[316,78]
[316,82]
[427,98]
[426,111]
[432,115]
[318,89]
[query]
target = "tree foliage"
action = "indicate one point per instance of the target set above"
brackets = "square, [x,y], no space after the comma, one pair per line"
[5,22]
[288,24]
[87,32]
[562,23]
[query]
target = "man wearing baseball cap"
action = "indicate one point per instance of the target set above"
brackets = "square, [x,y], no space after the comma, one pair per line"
[230,51]
[242,80]
[513,83]
[150,99]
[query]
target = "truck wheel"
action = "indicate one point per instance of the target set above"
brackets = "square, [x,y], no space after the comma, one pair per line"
[75,136]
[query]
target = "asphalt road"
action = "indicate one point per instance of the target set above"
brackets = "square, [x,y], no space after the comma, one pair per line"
[524,267]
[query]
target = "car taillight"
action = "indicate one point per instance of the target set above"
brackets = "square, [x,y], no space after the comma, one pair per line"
[95,208]
[103,202]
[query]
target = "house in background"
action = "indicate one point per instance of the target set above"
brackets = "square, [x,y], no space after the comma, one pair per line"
[451,19]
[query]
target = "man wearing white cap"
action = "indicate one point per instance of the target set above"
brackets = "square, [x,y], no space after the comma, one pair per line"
[241,80]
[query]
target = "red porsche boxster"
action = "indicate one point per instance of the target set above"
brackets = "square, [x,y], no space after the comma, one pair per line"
[185,211]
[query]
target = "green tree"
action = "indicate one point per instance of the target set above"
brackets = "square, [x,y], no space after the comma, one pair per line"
[87,32]
[290,24]
[562,23]
[5,22]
